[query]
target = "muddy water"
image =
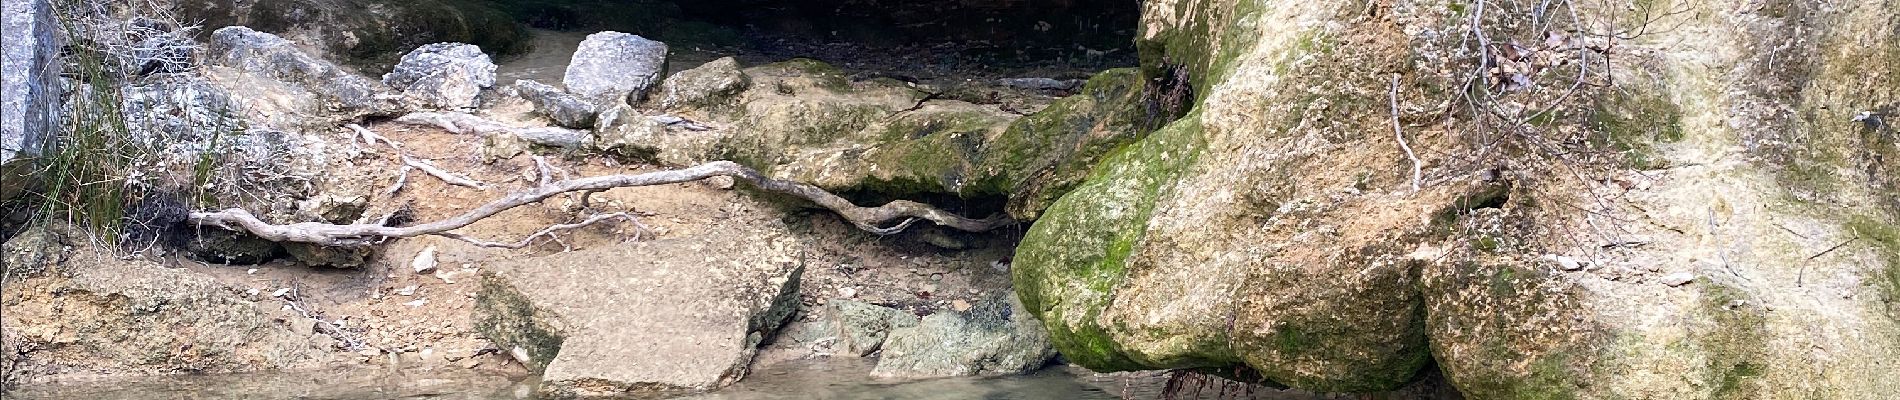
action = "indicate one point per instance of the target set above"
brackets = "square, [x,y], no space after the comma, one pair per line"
[552,50]
[545,63]
[840,379]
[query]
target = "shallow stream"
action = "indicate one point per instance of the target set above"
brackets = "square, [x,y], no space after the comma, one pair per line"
[841,379]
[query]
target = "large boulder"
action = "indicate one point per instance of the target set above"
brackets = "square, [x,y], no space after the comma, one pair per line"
[29,86]
[563,108]
[667,316]
[443,75]
[1276,227]
[290,87]
[706,85]
[804,120]
[995,337]
[613,67]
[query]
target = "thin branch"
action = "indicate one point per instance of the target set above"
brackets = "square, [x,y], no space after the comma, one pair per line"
[402,176]
[867,218]
[1417,174]
[446,176]
[549,231]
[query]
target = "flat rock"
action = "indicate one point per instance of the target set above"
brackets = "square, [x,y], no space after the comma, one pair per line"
[610,66]
[649,318]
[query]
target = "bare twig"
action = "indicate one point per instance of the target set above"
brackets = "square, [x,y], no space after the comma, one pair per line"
[402,176]
[867,218]
[1417,174]
[1803,274]
[549,231]
[446,176]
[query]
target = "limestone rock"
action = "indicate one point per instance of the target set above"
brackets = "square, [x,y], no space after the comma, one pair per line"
[29,86]
[137,317]
[704,85]
[1233,237]
[610,67]
[443,75]
[803,120]
[675,315]
[180,111]
[565,109]
[623,131]
[273,67]
[862,327]
[996,337]
[31,251]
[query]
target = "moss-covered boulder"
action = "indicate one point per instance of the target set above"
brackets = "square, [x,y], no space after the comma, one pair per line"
[805,120]
[1716,225]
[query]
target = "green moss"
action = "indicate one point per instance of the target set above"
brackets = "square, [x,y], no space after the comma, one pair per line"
[822,74]
[1733,347]
[1885,239]
[1044,155]
[1069,264]
[1634,122]
[1190,46]
[509,320]
[1487,343]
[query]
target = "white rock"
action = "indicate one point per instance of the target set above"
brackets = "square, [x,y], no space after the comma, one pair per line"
[407,290]
[608,66]
[1678,279]
[280,292]
[1566,262]
[424,262]
[416,302]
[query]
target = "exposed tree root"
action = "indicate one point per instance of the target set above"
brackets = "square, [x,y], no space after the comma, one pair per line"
[870,219]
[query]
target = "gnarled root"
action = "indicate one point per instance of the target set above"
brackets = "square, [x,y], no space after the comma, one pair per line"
[872,219]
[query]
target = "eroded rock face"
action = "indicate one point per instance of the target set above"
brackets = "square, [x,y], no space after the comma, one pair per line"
[29,86]
[1275,227]
[613,67]
[443,75]
[995,337]
[136,317]
[667,316]
[803,120]
[702,86]
[564,109]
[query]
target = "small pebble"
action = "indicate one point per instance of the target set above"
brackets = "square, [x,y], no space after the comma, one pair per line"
[424,262]
[1678,279]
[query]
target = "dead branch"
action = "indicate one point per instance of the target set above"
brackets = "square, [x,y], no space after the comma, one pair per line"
[549,231]
[870,219]
[1417,175]
[473,125]
[370,137]
[402,176]
[445,175]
